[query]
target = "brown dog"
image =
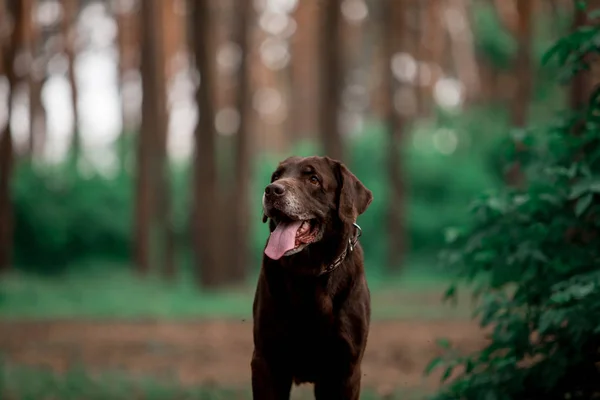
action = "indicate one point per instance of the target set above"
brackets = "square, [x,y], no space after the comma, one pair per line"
[312,304]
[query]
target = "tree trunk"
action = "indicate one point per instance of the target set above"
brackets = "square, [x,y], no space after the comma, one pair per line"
[462,46]
[37,115]
[121,18]
[508,13]
[143,196]
[241,212]
[524,77]
[161,168]
[331,80]
[523,64]
[70,11]
[8,51]
[6,217]
[304,71]
[206,230]
[153,228]
[393,32]
[578,96]
[37,79]
[585,82]
[420,50]
[161,171]
[127,41]
[141,234]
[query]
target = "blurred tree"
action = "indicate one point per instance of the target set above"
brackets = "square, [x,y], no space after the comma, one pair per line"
[523,77]
[523,64]
[394,38]
[489,70]
[331,76]
[153,227]
[205,225]
[127,43]
[37,78]
[70,9]
[583,82]
[508,14]
[5,149]
[354,54]
[458,23]
[305,71]
[240,225]
[28,29]
[429,44]
[11,16]
[143,207]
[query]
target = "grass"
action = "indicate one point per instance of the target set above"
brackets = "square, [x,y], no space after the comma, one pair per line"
[20,383]
[116,293]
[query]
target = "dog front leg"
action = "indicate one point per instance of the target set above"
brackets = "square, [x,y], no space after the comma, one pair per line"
[341,387]
[268,381]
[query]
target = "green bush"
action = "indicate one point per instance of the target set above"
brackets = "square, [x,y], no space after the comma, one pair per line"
[61,216]
[532,256]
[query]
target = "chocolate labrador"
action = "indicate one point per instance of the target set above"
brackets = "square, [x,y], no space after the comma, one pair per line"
[312,303]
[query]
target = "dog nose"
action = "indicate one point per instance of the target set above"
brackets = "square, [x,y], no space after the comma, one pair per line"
[275,189]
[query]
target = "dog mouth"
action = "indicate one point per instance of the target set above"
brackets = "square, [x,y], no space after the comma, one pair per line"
[291,236]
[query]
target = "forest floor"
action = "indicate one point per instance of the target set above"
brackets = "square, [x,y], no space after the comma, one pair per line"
[78,337]
[217,353]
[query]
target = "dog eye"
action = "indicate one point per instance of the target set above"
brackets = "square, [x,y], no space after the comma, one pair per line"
[274,177]
[314,180]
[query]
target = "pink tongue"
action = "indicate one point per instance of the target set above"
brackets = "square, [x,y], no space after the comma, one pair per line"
[282,239]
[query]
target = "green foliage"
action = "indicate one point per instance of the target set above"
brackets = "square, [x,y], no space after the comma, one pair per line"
[436,183]
[532,256]
[63,216]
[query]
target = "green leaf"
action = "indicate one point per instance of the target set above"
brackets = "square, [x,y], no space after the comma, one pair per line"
[583,204]
[596,92]
[450,293]
[443,343]
[491,395]
[594,14]
[469,366]
[583,187]
[447,373]
[581,291]
[579,189]
[551,52]
[451,235]
[433,364]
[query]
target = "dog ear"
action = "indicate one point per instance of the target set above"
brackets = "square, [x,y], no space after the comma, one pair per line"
[354,197]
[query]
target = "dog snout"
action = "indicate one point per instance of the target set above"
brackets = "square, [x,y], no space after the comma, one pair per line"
[275,190]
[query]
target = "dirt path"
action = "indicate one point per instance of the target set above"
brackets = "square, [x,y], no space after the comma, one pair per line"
[217,352]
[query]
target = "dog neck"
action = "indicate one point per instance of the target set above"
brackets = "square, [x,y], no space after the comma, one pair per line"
[352,242]
[321,258]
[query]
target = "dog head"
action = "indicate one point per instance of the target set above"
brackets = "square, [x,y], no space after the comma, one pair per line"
[307,199]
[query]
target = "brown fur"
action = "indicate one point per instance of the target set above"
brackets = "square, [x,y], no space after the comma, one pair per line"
[311,327]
